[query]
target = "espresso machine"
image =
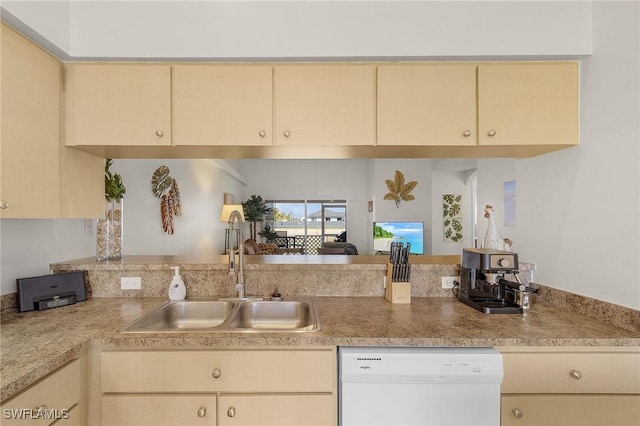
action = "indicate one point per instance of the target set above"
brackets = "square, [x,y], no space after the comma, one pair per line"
[483,285]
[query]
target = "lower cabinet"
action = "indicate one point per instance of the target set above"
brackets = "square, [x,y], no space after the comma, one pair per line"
[57,399]
[566,387]
[219,387]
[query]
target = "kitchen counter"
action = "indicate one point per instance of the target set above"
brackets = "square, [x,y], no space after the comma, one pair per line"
[34,344]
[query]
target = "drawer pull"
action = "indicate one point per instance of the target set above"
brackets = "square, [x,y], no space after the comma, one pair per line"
[286,133]
[4,205]
[517,413]
[491,133]
[216,373]
[576,374]
[466,133]
[202,412]
[159,133]
[262,133]
[231,412]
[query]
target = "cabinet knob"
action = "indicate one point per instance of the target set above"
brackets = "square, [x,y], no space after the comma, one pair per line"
[159,133]
[286,133]
[216,373]
[262,133]
[576,374]
[466,133]
[491,132]
[517,413]
[202,412]
[231,412]
[3,204]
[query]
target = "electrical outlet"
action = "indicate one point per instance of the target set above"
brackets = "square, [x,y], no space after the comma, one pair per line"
[130,283]
[447,282]
[89,227]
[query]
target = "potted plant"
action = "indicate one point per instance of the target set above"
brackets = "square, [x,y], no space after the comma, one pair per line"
[254,210]
[109,231]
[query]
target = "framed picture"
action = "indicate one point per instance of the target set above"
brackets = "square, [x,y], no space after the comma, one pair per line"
[228,198]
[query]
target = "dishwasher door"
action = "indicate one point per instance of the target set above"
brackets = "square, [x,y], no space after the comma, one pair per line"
[419,386]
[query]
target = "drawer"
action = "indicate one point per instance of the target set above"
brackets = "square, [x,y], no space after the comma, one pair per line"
[47,400]
[158,410]
[570,410]
[219,371]
[571,372]
[277,410]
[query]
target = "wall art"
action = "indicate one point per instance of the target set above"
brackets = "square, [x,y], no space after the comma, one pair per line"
[452,218]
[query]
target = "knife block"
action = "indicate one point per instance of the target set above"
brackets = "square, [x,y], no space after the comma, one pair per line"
[396,292]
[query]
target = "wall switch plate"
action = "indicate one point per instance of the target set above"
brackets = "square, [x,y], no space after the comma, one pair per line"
[447,282]
[130,283]
[89,227]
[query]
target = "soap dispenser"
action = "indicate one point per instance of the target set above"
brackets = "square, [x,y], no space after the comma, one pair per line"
[177,289]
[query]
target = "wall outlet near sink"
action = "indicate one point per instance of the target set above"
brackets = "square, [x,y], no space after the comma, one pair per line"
[130,283]
[447,282]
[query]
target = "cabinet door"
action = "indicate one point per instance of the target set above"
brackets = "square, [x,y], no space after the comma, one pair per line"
[39,177]
[118,104]
[277,410]
[324,104]
[427,104]
[570,410]
[158,410]
[48,400]
[222,105]
[528,104]
[30,129]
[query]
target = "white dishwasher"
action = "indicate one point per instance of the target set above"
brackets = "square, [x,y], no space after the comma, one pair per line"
[419,386]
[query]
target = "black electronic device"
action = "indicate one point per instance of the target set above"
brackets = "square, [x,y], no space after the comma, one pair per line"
[51,291]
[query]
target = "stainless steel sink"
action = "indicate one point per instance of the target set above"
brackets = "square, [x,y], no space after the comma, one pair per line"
[282,315]
[231,315]
[184,315]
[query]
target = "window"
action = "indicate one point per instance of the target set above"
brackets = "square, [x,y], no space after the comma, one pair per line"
[306,223]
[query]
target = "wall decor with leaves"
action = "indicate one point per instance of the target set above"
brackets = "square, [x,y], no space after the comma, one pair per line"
[452,218]
[398,190]
[166,188]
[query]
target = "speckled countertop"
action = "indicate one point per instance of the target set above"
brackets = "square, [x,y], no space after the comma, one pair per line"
[33,344]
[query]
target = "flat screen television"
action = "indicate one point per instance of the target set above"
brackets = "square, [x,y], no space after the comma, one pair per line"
[384,233]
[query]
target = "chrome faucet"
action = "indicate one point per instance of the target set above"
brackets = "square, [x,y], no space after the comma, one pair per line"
[236,269]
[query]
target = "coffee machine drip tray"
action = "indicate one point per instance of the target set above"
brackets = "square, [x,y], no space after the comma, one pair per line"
[492,306]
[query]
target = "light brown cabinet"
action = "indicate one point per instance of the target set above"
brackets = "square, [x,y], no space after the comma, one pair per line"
[238,387]
[528,104]
[506,104]
[39,176]
[58,398]
[427,104]
[599,387]
[222,104]
[328,104]
[118,104]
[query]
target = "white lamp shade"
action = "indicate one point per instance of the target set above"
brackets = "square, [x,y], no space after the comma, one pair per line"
[228,209]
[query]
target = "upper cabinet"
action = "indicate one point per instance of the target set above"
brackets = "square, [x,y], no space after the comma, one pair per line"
[523,104]
[222,104]
[118,104]
[452,109]
[325,104]
[427,104]
[528,104]
[39,177]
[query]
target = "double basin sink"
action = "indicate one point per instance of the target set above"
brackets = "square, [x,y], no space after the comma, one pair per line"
[229,315]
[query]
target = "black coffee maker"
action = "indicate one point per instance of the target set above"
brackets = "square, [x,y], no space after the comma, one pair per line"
[482,281]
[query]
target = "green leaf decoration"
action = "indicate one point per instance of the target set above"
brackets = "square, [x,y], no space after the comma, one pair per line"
[114,188]
[451,215]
